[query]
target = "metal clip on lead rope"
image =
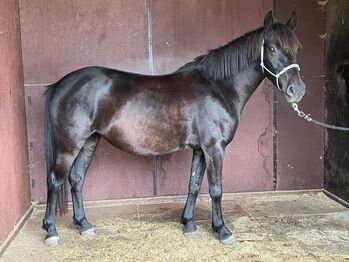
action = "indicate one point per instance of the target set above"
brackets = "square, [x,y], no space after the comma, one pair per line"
[309,119]
[301,113]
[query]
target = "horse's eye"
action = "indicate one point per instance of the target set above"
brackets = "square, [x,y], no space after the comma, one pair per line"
[272,49]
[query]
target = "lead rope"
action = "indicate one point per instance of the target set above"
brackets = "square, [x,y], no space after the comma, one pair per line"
[309,119]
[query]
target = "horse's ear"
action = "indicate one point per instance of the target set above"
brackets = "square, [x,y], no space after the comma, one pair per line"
[268,21]
[292,22]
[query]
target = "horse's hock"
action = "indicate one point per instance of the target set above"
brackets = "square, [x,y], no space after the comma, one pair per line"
[268,227]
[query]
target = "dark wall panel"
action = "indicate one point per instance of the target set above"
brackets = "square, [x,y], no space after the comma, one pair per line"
[60,36]
[14,177]
[299,144]
[337,98]
[189,29]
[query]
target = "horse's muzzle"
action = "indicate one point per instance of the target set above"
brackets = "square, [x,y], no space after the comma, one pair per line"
[295,93]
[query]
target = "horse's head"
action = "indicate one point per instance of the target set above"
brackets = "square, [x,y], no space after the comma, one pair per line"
[278,57]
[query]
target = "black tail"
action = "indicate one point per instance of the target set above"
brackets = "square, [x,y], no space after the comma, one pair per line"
[50,149]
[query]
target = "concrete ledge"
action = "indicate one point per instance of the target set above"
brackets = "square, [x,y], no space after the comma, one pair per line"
[182,198]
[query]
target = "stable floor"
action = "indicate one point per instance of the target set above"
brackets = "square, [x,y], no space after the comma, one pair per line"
[269,227]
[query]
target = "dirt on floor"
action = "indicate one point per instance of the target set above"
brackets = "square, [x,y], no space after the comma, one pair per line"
[274,227]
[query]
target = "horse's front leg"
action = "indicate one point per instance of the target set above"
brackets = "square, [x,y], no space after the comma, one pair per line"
[214,162]
[197,173]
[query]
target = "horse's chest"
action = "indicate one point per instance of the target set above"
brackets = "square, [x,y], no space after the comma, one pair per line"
[217,121]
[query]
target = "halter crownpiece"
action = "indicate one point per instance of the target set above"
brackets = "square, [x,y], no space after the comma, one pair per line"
[281,72]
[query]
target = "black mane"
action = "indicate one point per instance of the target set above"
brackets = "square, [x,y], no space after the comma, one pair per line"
[224,61]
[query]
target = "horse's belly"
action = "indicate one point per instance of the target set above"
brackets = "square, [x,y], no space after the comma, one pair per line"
[150,123]
[151,138]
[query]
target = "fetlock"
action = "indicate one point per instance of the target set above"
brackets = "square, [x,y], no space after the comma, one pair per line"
[82,224]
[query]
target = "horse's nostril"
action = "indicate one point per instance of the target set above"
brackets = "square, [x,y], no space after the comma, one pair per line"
[291,91]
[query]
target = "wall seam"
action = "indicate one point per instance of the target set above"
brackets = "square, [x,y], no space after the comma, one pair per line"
[154,162]
[274,124]
[150,37]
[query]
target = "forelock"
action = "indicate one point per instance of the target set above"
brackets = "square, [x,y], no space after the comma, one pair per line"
[287,39]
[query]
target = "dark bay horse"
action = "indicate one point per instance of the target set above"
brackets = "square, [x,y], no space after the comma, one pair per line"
[197,107]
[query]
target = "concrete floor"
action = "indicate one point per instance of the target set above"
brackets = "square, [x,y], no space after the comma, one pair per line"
[268,226]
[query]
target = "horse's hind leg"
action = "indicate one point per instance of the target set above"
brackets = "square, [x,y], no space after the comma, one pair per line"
[197,172]
[77,178]
[55,180]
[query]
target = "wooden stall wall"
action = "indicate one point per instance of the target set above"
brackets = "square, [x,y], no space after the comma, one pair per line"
[158,36]
[337,98]
[299,144]
[60,36]
[14,176]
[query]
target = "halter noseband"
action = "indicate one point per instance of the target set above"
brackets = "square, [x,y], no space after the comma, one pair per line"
[281,72]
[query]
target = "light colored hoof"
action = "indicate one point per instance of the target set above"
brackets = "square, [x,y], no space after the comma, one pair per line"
[52,241]
[88,232]
[229,240]
[194,234]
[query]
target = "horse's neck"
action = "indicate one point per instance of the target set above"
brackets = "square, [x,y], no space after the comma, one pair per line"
[245,82]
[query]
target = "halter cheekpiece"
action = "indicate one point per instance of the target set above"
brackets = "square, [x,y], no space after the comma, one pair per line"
[281,72]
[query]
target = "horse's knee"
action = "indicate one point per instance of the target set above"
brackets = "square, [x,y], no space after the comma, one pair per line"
[216,193]
[76,183]
[194,190]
